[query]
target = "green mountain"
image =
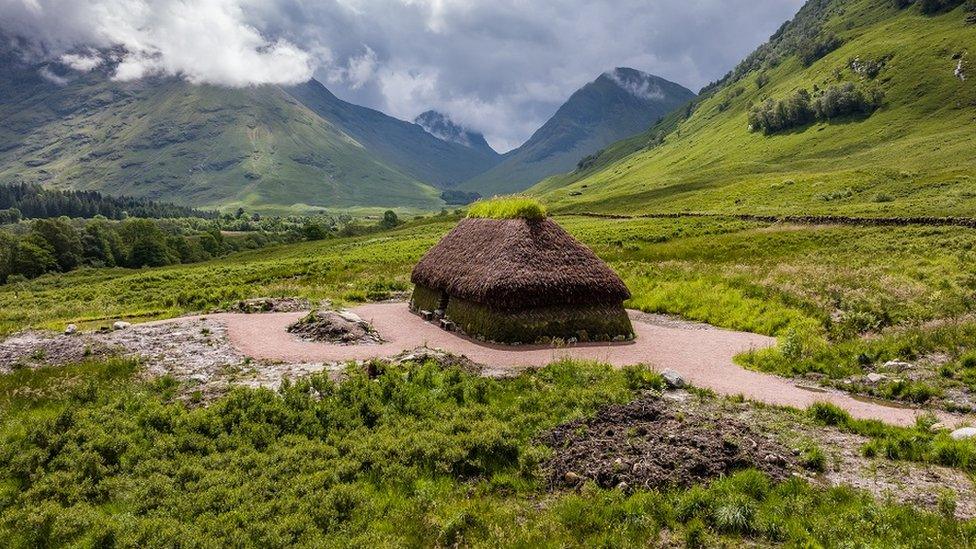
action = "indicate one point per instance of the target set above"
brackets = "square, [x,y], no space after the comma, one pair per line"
[267,147]
[618,104]
[855,107]
[410,147]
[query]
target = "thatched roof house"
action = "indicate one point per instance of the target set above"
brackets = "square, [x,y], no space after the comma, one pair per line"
[521,280]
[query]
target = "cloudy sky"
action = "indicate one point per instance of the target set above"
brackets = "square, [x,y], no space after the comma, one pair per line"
[498,66]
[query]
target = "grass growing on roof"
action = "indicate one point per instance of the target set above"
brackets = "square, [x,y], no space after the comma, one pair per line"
[508,207]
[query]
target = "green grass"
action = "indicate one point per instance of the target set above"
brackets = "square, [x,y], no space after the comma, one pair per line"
[418,456]
[820,289]
[508,207]
[914,156]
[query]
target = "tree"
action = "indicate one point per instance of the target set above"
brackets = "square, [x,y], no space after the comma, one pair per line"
[8,246]
[32,260]
[147,244]
[63,239]
[101,245]
[313,230]
[390,220]
[10,215]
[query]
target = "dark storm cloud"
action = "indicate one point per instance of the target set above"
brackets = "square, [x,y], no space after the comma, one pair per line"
[499,66]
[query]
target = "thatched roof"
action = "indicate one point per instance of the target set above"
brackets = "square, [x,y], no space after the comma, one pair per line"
[516,264]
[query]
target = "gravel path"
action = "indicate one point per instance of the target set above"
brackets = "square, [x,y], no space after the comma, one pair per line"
[701,354]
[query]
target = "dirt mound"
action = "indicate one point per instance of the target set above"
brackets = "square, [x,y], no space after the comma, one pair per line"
[443,359]
[648,444]
[335,327]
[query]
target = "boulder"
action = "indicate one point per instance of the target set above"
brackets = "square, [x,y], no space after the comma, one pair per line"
[70,329]
[897,365]
[350,316]
[963,432]
[120,325]
[334,327]
[673,379]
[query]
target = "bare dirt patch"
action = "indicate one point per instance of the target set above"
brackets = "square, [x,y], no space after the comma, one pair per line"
[682,438]
[36,349]
[649,444]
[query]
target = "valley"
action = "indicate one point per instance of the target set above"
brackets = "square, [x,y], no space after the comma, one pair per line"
[739,317]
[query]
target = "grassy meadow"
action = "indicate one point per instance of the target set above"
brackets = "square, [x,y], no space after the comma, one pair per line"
[418,456]
[843,300]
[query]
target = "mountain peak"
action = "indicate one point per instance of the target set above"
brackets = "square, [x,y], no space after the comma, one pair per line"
[641,85]
[620,103]
[442,127]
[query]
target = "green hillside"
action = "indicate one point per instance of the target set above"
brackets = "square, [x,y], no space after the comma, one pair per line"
[916,154]
[618,104]
[403,144]
[201,145]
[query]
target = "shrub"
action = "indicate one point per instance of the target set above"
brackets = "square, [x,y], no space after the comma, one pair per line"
[812,49]
[813,458]
[931,7]
[828,414]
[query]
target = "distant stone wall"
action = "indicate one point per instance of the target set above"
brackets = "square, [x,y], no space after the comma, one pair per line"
[806,219]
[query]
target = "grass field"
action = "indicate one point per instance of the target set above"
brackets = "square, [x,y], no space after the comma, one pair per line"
[843,300]
[419,456]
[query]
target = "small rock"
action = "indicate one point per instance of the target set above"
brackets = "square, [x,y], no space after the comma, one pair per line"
[350,317]
[120,325]
[200,378]
[673,379]
[897,365]
[963,432]
[774,459]
[937,426]
[623,486]
[619,338]
[571,477]
[70,329]
[875,378]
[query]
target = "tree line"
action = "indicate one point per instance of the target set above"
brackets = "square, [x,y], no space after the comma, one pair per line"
[60,244]
[30,200]
[56,245]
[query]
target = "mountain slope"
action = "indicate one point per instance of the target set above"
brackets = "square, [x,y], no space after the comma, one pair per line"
[166,139]
[916,154]
[618,104]
[407,146]
[442,127]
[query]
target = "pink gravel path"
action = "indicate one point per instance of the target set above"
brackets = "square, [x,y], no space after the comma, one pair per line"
[701,354]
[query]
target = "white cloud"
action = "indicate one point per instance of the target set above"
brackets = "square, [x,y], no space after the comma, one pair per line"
[499,66]
[46,73]
[358,71]
[641,88]
[82,62]
[204,41]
